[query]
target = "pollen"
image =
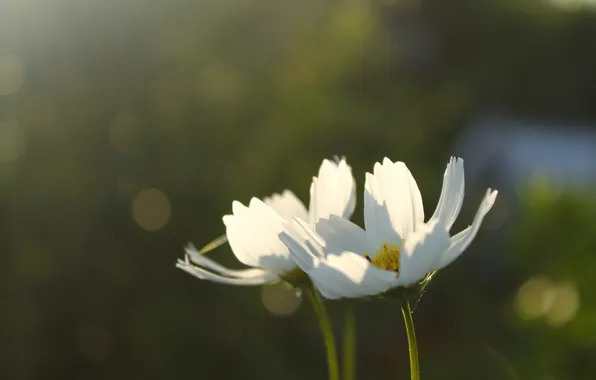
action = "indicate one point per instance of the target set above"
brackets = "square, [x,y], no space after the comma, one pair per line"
[387,257]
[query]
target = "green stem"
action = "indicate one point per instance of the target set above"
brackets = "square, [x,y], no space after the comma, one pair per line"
[325,324]
[412,345]
[349,343]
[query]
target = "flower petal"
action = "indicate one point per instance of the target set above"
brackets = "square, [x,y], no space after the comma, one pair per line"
[452,194]
[202,274]
[462,240]
[307,251]
[287,205]
[395,190]
[253,235]
[349,275]
[340,235]
[333,192]
[197,259]
[376,216]
[421,253]
[303,243]
[338,274]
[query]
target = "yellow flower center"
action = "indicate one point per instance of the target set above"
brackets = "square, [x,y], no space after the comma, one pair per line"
[387,257]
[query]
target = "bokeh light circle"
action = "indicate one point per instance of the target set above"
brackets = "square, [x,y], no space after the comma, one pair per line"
[151,209]
[280,299]
[565,307]
[535,297]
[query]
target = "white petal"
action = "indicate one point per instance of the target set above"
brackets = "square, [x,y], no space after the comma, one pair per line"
[395,190]
[340,234]
[287,205]
[326,293]
[421,253]
[336,275]
[303,243]
[452,194]
[206,275]
[253,235]
[333,192]
[349,275]
[376,216]
[203,261]
[462,240]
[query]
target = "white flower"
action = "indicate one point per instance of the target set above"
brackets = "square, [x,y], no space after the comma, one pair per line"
[253,231]
[398,249]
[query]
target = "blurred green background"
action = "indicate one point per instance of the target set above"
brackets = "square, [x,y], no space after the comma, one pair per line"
[128,127]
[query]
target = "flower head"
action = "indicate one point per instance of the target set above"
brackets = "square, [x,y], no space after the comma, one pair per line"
[253,230]
[397,249]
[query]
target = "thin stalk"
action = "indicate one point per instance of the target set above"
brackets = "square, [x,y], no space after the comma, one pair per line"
[412,344]
[325,324]
[349,343]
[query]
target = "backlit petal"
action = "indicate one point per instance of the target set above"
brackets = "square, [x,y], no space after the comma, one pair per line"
[332,192]
[462,240]
[253,235]
[303,243]
[349,275]
[202,274]
[421,253]
[376,216]
[336,274]
[287,205]
[452,194]
[395,190]
[200,260]
[340,235]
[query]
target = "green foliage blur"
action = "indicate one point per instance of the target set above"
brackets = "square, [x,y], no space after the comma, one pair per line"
[127,128]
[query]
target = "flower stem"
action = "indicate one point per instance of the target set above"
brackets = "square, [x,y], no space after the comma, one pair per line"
[349,343]
[412,345]
[325,324]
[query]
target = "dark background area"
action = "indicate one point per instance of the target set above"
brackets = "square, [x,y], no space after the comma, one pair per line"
[127,128]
